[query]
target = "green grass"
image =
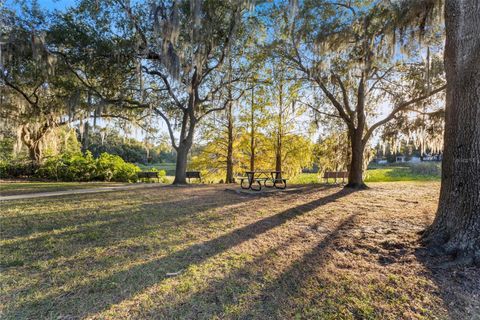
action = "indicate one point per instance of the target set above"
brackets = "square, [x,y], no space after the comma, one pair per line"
[14,188]
[305,178]
[203,253]
[385,173]
[406,172]
[168,167]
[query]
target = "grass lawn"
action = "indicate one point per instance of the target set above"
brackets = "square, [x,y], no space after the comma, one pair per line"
[386,173]
[201,252]
[169,167]
[12,188]
[400,173]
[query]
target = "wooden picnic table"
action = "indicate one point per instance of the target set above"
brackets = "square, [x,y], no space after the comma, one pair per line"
[265,176]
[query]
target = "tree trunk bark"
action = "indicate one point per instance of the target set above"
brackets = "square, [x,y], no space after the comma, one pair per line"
[229,177]
[456,228]
[86,137]
[278,151]
[181,163]
[252,136]
[278,156]
[355,174]
[33,144]
[35,152]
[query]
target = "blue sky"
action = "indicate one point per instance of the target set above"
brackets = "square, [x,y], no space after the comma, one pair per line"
[47,4]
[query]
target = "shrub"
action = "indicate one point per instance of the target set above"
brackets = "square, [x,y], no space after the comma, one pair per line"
[113,168]
[77,167]
[17,169]
[426,169]
[53,168]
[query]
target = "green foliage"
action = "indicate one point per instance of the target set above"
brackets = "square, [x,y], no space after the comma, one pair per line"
[17,169]
[130,149]
[332,152]
[211,158]
[6,148]
[86,168]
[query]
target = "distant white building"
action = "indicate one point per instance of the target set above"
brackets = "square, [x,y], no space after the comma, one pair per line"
[415,160]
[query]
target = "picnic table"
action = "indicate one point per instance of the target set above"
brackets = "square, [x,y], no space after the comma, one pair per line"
[270,179]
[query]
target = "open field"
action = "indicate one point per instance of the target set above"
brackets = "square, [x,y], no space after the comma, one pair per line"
[390,173]
[169,167]
[201,252]
[427,171]
[14,187]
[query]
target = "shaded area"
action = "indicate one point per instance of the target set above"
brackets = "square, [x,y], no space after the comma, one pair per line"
[244,283]
[203,253]
[94,296]
[459,286]
[8,188]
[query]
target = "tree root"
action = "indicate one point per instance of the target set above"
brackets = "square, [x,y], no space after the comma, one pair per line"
[457,254]
[357,186]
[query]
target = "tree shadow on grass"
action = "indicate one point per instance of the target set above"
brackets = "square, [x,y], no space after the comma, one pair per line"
[98,295]
[279,296]
[458,286]
[223,295]
[103,229]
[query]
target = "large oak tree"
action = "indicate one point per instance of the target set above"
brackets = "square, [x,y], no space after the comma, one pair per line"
[456,229]
[345,51]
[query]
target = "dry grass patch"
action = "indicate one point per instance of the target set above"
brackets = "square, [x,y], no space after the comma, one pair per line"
[203,253]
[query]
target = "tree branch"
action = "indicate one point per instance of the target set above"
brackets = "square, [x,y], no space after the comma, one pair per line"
[169,127]
[402,106]
[167,85]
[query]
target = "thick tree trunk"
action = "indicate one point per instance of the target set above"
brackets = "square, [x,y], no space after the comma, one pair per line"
[181,163]
[229,177]
[355,174]
[33,143]
[456,228]
[35,152]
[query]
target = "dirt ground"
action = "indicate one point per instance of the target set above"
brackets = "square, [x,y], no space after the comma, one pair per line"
[200,252]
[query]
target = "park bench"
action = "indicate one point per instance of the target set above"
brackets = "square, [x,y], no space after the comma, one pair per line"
[148,175]
[335,175]
[193,175]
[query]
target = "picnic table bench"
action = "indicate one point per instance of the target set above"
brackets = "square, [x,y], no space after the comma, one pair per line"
[335,175]
[270,179]
[148,175]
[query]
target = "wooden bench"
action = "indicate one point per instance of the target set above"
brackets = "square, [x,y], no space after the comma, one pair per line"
[193,175]
[335,175]
[148,175]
